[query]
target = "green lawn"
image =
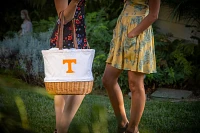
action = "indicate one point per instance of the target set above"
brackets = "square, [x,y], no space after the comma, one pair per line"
[94,116]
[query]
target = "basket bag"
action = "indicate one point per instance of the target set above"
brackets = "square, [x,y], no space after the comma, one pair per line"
[68,71]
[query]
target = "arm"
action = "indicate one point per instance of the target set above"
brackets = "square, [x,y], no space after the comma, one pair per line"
[69,10]
[154,7]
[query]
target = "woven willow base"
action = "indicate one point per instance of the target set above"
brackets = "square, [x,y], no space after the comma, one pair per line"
[69,88]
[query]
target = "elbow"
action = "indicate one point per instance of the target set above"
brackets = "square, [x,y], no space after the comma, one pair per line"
[154,18]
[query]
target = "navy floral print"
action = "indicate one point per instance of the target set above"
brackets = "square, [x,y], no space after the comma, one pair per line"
[79,19]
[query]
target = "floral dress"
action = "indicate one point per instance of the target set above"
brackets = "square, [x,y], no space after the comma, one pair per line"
[134,54]
[79,19]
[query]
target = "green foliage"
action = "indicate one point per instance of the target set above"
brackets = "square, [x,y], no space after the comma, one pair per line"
[44,25]
[99,30]
[23,55]
[112,7]
[12,121]
[177,60]
[175,63]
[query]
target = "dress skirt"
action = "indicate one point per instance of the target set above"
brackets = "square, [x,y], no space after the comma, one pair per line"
[134,54]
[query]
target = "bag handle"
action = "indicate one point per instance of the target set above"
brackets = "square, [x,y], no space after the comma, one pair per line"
[60,32]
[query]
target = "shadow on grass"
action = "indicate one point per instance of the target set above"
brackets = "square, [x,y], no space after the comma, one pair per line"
[13,115]
[25,108]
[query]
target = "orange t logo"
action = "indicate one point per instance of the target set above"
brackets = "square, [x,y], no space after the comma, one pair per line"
[69,61]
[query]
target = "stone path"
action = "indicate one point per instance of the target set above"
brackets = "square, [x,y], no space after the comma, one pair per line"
[167,93]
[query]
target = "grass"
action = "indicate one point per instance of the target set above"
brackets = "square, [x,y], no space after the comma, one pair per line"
[33,107]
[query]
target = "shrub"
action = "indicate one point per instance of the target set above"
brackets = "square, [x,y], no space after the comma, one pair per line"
[23,54]
[176,63]
[177,60]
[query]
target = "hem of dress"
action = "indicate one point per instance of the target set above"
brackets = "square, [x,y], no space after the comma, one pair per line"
[130,69]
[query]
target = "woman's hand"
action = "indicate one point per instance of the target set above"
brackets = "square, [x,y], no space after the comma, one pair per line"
[75,1]
[131,34]
[69,10]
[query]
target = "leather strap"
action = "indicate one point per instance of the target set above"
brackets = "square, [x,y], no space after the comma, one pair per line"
[74,34]
[60,32]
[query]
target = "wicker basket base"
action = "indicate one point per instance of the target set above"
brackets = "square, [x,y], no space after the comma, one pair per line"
[69,88]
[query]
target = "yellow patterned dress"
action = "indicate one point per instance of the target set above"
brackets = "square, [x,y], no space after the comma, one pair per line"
[134,54]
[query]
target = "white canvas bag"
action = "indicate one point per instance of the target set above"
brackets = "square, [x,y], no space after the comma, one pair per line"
[68,71]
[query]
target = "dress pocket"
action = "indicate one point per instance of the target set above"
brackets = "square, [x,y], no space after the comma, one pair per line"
[131,41]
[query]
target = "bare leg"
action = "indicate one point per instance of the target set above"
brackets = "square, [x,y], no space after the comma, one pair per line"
[136,85]
[59,103]
[72,103]
[109,80]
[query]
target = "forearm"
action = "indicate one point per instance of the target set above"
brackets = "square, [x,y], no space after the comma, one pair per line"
[145,23]
[70,10]
[154,7]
